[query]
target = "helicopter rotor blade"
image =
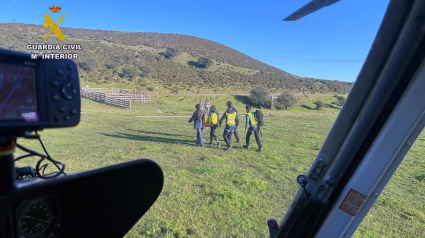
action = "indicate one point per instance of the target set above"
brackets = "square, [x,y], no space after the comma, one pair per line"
[310,8]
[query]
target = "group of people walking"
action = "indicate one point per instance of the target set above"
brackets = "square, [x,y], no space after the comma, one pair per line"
[208,116]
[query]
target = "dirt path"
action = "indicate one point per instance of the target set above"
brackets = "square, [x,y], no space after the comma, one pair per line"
[161,116]
[293,114]
[302,114]
[226,94]
[201,94]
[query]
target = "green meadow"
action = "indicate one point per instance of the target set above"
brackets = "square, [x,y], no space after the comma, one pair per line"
[212,192]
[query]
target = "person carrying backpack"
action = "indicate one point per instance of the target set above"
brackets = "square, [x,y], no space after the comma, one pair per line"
[252,126]
[232,121]
[198,124]
[236,128]
[214,117]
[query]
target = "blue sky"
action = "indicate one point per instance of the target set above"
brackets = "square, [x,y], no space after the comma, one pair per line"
[331,43]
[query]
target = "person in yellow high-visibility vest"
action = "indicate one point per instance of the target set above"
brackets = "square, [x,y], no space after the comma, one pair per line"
[251,126]
[232,121]
[215,119]
[236,129]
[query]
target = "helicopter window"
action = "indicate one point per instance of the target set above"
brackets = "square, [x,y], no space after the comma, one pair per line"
[144,67]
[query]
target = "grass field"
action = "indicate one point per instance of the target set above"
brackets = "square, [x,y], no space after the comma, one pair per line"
[211,192]
[185,105]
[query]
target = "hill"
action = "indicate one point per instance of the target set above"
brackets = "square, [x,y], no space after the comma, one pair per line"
[162,62]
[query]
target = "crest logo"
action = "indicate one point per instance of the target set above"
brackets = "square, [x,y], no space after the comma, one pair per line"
[48,49]
[49,23]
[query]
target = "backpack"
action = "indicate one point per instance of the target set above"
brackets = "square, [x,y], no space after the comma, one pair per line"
[207,120]
[214,118]
[259,116]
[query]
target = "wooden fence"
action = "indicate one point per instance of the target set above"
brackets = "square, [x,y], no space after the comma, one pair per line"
[102,90]
[131,97]
[123,94]
[103,98]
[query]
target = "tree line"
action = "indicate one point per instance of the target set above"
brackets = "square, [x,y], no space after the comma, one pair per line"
[261,97]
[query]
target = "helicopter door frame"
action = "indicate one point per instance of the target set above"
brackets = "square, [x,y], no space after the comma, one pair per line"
[393,141]
[380,162]
[394,58]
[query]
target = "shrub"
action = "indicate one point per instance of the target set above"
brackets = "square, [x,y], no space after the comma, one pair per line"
[109,79]
[128,72]
[340,101]
[204,62]
[171,53]
[260,97]
[286,99]
[84,66]
[319,105]
[279,107]
[144,70]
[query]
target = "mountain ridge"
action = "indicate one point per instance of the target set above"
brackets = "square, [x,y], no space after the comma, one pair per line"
[138,59]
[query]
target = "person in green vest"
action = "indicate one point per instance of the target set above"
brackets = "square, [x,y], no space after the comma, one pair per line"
[251,126]
[232,121]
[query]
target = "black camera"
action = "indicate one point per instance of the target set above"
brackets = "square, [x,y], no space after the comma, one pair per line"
[36,93]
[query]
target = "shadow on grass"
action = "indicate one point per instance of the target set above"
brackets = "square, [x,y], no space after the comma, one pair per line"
[155,133]
[150,138]
[307,107]
[243,99]
[196,64]
[332,106]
